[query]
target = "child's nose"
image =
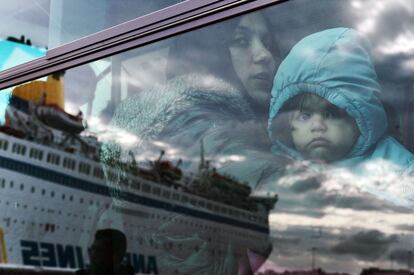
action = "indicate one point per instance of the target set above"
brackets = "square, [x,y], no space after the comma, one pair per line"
[318,123]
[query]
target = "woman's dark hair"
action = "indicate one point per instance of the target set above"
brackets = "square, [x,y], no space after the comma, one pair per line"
[202,51]
[206,50]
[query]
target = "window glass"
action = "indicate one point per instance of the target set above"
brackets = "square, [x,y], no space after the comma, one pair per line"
[29,28]
[71,20]
[278,140]
[23,31]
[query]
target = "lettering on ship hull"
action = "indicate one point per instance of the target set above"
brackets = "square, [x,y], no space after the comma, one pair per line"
[69,256]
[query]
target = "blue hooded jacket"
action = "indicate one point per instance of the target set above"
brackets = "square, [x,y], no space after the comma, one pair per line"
[335,64]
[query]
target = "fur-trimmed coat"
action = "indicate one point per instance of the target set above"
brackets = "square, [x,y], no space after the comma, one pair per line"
[197,108]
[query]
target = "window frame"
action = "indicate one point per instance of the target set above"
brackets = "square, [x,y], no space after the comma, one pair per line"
[164,23]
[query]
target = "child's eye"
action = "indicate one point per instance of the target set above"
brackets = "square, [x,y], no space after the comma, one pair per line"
[332,114]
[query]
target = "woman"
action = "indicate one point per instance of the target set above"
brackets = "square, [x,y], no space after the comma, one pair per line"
[240,51]
[217,93]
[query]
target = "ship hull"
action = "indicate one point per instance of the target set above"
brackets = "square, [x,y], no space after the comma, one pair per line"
[49,216]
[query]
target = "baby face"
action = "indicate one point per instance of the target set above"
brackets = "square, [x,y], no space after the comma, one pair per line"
[322,131]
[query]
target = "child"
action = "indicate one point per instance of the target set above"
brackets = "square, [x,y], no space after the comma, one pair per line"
[319,129]
[325,104]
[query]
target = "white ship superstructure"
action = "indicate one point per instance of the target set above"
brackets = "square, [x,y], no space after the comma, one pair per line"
[54,197]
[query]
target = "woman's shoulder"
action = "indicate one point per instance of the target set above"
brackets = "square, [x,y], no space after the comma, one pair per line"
[191,88]
[191,94]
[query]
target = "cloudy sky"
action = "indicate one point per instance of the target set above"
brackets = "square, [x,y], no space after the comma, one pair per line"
[346,221]
[349,226]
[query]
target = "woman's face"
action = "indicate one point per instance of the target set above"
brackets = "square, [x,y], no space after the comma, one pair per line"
[250,50]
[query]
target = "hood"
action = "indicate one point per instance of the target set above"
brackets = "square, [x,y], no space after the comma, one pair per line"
[334,64]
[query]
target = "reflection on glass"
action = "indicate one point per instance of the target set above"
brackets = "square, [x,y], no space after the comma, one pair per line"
[23,31]
[29,28]
[170,145]
[15,51]
[71,20]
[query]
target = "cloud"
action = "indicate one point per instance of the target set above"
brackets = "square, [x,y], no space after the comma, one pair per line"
[401,256]
[368,186]
[387,24]
[406,227]
[366,245]
[307,184]
[292,249]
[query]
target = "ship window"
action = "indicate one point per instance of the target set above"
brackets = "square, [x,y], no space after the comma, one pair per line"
[11,184]
[184,199]
[124,181]
[69,163]
[97,172]
[53,158]
[175,196]
[156,191]
[209,206]
[19,149]
[21,187]
[36,154]
[4,144]
[201,203]
[166,194]
[135,185]
[146,188]
[193,201]
[112,177]
[84,168]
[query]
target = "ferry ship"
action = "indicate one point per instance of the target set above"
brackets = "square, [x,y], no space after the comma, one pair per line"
[55,193]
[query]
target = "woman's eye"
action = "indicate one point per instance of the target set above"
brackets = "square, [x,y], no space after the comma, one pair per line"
[239,42]
[329,115]
[268,44]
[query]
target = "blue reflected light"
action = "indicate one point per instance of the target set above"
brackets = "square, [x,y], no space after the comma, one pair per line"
[13,54]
